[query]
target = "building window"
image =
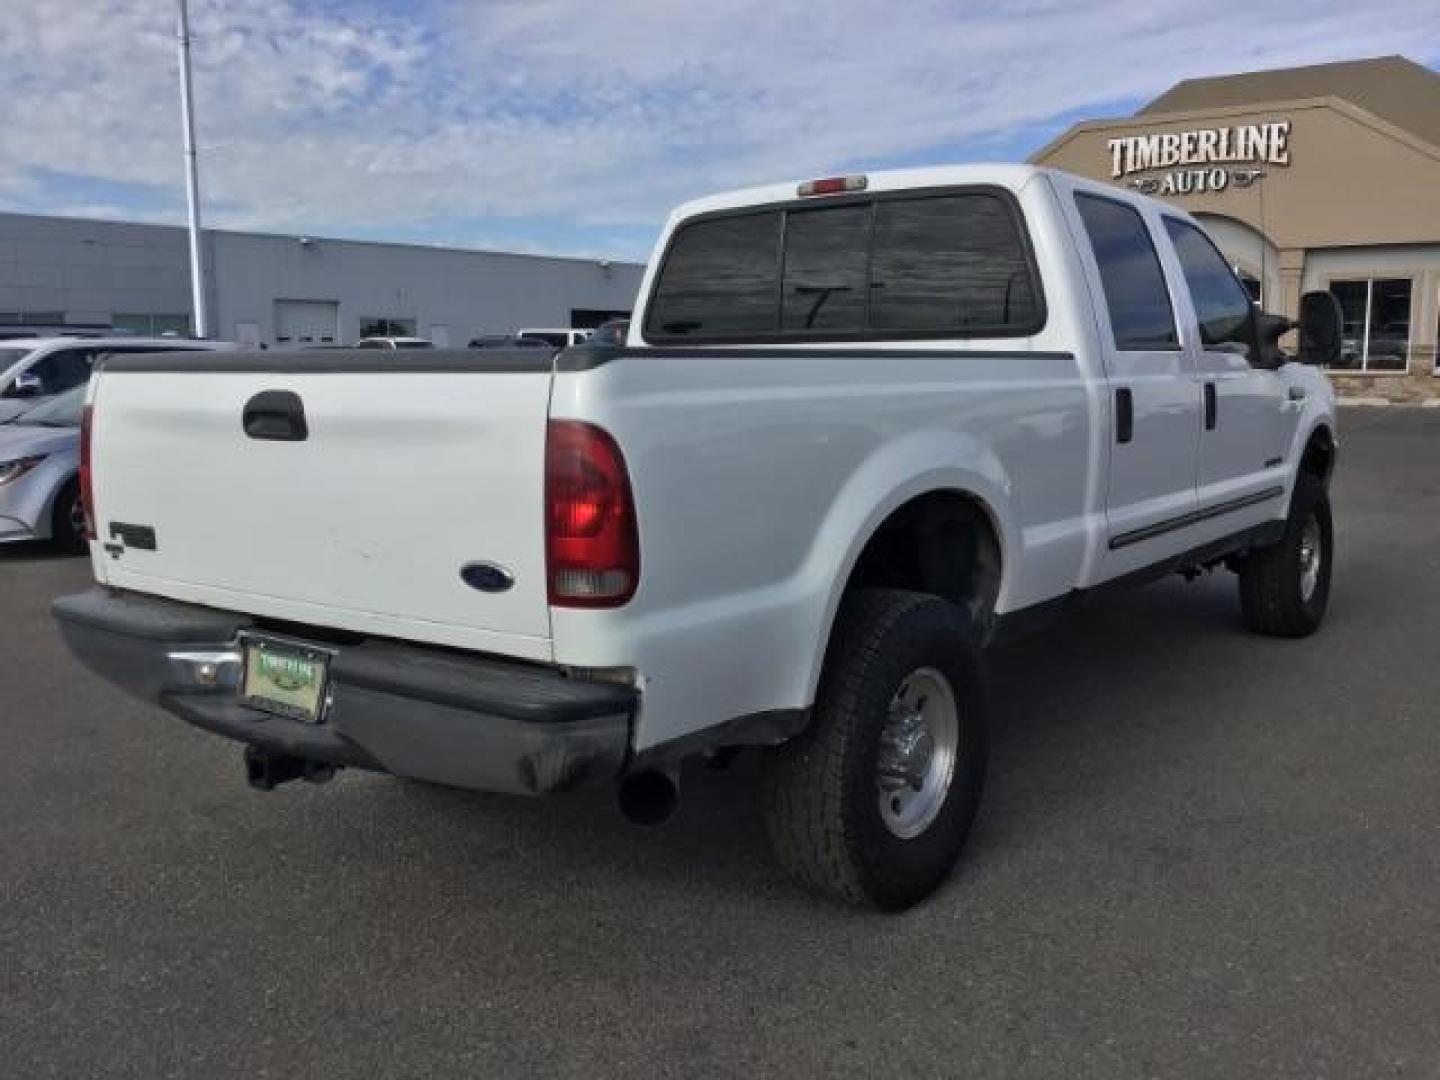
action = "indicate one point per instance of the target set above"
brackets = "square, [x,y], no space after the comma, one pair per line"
[31,318]
[1376,335]
[153,325]
[374,327]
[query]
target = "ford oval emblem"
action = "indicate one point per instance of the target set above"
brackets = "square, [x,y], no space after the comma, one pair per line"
[486,576]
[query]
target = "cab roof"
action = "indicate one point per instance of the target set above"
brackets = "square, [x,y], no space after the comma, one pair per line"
[1013,177]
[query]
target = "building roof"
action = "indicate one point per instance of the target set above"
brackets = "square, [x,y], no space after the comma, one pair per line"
[1393,88]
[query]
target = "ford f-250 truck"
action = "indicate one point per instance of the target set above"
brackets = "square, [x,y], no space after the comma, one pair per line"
[860,425]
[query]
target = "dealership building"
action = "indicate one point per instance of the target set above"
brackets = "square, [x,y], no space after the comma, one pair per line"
[293,290]
[1324,177]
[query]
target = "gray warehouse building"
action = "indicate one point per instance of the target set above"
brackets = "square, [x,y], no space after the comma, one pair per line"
[293,290]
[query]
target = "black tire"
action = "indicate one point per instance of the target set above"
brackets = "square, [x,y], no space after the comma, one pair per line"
[1273,595]
[64,524]
[822,802]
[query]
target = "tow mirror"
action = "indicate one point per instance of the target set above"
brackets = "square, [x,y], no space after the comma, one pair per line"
[1269,329]
[1320,328]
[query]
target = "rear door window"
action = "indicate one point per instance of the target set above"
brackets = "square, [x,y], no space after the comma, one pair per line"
[1140,315]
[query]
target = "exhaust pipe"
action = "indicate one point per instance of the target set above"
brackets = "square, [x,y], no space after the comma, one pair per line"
[265,772]
[650,797]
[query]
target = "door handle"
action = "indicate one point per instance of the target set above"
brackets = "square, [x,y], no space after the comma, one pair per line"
[276,416]
[1124,415]
[1211,406]
[1296,393]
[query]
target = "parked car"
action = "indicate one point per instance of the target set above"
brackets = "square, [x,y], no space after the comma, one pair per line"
[613,332]
[39,473]
[1390,345]
[394,343]
[559,338]
[867,426]
[34,369]
[506,341]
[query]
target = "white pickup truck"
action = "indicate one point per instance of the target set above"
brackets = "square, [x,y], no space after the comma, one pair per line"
[860,426]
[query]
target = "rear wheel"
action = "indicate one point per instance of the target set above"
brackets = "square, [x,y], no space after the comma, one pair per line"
[873,801]
[67,520]
[1285,588]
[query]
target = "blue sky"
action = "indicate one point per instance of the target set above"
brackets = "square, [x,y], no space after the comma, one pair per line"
[572,126]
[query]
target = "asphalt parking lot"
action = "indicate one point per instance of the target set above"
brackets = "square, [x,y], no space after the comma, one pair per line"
[1201,854]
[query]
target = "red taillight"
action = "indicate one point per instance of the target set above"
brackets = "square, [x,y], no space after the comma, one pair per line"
[592,545]
[833,185]
[87,481]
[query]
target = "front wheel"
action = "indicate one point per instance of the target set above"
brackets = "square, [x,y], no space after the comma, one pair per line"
[872,802]
[1285,588]
[67,522]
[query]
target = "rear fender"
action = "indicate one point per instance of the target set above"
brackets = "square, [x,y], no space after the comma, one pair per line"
[913,465]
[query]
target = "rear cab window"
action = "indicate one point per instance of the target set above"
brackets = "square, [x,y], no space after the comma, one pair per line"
[939,264]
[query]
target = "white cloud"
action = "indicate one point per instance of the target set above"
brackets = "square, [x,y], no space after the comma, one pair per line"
[597,114]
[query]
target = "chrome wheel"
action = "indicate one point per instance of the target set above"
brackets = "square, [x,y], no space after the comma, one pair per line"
[1312,555]
[918,747]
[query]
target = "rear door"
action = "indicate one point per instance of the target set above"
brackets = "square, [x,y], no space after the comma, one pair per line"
[342,489]
[1248,420]
[1154,401]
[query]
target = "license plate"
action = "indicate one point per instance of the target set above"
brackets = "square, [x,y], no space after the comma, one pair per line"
[284,678]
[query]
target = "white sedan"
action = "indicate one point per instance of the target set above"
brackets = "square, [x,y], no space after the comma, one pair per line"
[39,473]
[33,369]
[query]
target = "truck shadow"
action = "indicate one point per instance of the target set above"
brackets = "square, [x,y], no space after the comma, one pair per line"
[28,551]
[1067,701]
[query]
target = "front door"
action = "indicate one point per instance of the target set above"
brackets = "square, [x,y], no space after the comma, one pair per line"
[1154,401]
[1247,417]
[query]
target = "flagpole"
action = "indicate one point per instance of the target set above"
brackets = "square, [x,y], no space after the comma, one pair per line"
[192,178]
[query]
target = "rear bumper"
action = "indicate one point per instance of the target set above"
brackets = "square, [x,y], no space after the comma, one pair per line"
[430,714]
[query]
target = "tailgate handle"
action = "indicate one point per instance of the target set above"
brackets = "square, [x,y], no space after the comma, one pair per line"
[278,415]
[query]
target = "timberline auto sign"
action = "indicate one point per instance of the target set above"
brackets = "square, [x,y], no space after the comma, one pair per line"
[1209,150]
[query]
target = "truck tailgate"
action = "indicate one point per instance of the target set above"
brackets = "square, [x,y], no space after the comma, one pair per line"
[408,469]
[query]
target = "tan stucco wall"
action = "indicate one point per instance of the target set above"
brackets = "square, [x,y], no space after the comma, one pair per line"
[1351,180]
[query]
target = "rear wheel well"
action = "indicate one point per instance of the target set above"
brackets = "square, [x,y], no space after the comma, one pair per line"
[944,543]
[1318,460]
